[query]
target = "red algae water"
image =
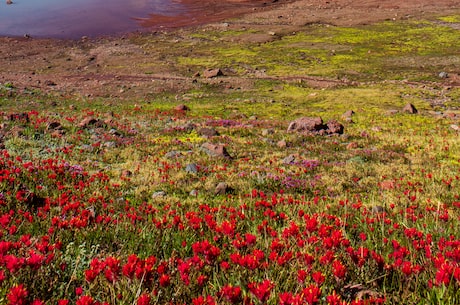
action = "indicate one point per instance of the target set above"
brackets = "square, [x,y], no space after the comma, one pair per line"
[76,18]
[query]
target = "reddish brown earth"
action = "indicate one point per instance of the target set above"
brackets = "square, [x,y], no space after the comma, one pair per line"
[116,66]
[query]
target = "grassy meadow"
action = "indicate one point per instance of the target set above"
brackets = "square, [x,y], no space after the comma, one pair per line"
[114,201]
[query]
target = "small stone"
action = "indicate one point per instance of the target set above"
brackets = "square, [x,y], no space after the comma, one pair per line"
[173,154]
[443,75]
[455,127]
[392,112]
[90,121]
[334,127]
[54,126]
[289,160]
[126,173]
[306,124]
[210,73]
[182,107]
[191,168]
[281,144]
[9,2]
[222,188]
[215,150]
[158,194]
[409,108]
[193,193]
[377,129]
[208,132]
[110,144]
[267,132]
[348,114]
[378,209]
[352,145]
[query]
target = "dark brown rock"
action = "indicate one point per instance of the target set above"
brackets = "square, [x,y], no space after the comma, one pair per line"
[215,150]
[334,127]
[54,126]
[90,121]
[409,108]
[182,107]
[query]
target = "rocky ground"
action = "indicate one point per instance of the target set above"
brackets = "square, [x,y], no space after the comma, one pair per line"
[125,67]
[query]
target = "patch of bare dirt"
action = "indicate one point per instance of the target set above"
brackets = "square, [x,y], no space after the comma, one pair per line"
[110,67]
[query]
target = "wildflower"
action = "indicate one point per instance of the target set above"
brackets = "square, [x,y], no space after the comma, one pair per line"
[318,277]
[85,300]
[230,293]
[144,299]
[311,294]
[17,295]
[165,280]
[63,302]
[334,299]
[261,290]
[285,298]
[338,269]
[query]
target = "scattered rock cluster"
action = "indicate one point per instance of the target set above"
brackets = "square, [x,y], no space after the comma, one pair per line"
[315,126]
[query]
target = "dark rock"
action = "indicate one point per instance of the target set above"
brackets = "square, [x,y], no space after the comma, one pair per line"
[210,73]
[50,83]
[208,132]
[315,125]
[409,108]
[182,107]
[126,173]
[54,126]
[90,121]
[306,124]
[215,150]
[334,127]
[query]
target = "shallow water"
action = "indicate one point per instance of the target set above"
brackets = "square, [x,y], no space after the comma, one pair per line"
[77,18]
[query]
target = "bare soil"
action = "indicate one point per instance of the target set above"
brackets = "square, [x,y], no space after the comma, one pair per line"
[113,66]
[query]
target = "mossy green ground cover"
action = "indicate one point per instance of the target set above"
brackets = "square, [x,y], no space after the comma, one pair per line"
[367,217]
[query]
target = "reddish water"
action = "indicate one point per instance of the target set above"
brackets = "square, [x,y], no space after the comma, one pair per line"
[77,18]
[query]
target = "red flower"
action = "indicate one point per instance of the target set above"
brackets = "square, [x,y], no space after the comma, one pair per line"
[165,280]
[335,299]
[311,294]
[338,269]
[85,300]
[17,295]
[63,302]
[144,299]
[261,290]
[318,277]
[232,294]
